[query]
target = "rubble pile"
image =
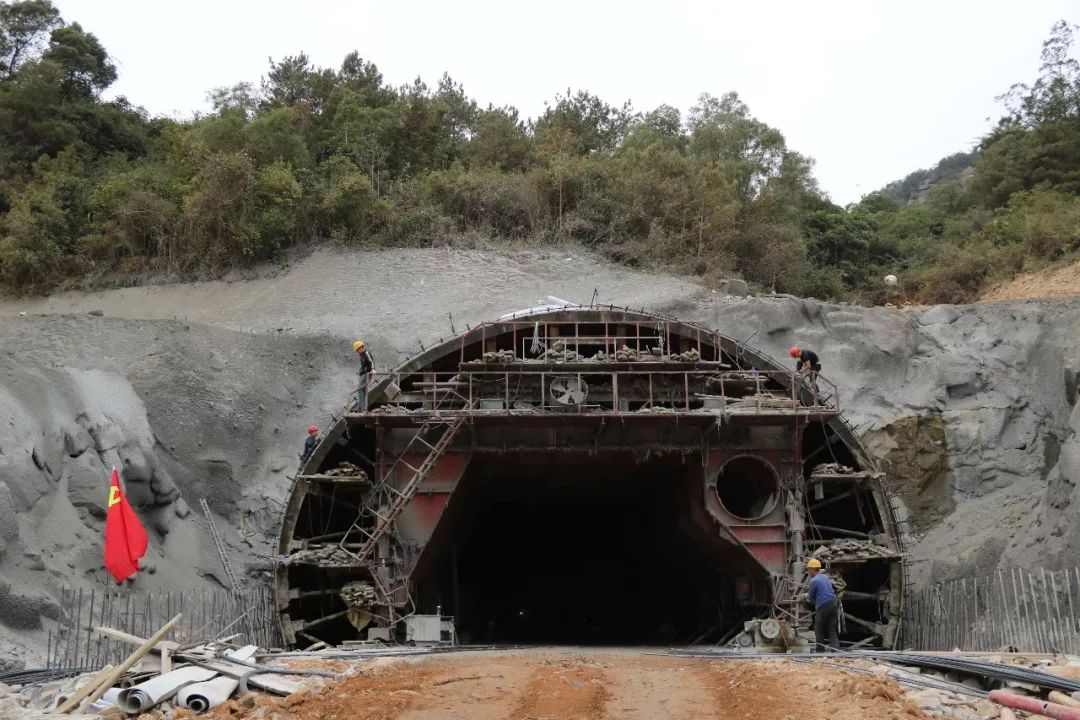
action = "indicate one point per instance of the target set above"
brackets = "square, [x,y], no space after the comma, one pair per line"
[852,549]
[358,594]
[389,409]
[359,597]
[691,355]
[323,554]
[498,357]
[832,469]
[558,352]
[346,469]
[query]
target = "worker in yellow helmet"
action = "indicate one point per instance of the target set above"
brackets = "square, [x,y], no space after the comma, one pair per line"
[366,368]
[822,596]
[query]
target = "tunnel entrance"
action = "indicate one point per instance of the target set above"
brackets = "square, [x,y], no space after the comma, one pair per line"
[585,549]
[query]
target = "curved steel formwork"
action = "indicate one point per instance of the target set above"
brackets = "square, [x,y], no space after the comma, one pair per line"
[588,474]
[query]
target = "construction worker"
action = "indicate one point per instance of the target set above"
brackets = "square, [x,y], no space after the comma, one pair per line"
[820,593]
[310,443]
[806,361]
[365,375]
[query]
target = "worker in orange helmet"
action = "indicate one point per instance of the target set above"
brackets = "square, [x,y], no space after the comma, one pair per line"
[808,363]
[366,368]
[310,443]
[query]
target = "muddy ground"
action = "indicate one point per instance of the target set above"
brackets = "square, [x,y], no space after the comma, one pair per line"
[557,684]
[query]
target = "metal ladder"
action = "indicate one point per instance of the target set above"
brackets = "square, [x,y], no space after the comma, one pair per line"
[401,498]
[220,545]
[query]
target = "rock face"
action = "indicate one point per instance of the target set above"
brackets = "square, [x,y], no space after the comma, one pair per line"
[182,414]
[971,409]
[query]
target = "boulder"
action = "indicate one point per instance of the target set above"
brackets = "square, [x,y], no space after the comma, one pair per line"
[734,287]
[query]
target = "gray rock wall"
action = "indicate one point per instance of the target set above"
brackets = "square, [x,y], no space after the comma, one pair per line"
[972,410]
[183,413]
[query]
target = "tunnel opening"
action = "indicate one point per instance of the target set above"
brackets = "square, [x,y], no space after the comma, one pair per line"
[748,487]
[589,549]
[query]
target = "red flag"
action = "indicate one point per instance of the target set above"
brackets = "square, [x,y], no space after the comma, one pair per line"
[125,538]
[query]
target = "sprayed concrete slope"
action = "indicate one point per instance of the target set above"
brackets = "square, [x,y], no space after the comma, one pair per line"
[203,390]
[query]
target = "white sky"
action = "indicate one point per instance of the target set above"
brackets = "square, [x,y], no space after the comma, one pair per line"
[871,89]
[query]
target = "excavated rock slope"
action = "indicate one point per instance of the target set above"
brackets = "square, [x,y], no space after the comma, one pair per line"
[204,390]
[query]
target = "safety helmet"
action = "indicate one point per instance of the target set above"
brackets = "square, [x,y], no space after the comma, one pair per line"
[794,351]
[312,429]
[813,564]
[358,345]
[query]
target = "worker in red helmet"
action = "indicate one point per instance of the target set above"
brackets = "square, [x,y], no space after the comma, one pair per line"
[808,363]
[310,443]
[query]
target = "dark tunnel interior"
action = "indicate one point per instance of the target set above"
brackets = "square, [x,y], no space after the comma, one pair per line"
[599,550]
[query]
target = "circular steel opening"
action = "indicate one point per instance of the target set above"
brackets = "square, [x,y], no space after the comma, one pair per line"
[748,487]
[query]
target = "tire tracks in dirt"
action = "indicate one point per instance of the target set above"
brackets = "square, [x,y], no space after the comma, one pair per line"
[564,688]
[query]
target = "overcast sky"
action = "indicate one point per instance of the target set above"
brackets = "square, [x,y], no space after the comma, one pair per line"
[872,90]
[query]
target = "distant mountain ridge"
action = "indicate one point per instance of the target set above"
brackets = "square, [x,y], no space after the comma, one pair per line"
[914,187]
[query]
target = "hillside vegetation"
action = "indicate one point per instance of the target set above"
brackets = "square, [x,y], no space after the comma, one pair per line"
[95,191]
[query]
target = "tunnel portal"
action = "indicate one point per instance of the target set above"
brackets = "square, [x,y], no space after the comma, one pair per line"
[587,475]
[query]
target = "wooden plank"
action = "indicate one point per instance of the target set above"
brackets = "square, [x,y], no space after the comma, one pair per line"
[92,692]
[135,640]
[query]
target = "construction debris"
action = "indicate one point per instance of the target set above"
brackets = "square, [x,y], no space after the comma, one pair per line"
[204,675]
[558,352]
[322,555]
[499,357]
[346,469]
[359,597]
[832,469]
[852,549]
[690,356]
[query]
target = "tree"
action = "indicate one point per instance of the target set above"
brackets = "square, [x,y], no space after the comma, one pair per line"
[662,125]
[1056,93]
[274,136]
[241,98]
[82,58]
[499,139]
[24,28]
[596,125]
[557,146]
[288,82]
[749,151]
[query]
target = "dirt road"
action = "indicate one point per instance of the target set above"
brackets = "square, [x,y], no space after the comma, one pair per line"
[559,684]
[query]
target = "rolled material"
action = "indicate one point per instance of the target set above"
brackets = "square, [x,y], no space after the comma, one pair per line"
[140,698]
[202,696]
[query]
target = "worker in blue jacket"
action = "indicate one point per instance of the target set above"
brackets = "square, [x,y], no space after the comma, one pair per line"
[821,595]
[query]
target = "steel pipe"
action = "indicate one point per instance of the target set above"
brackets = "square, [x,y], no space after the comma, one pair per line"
[1034,705]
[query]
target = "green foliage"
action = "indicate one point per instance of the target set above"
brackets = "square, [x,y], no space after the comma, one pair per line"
[96,190]
[24,26]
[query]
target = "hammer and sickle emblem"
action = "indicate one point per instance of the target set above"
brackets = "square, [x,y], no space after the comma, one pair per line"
[114,495]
